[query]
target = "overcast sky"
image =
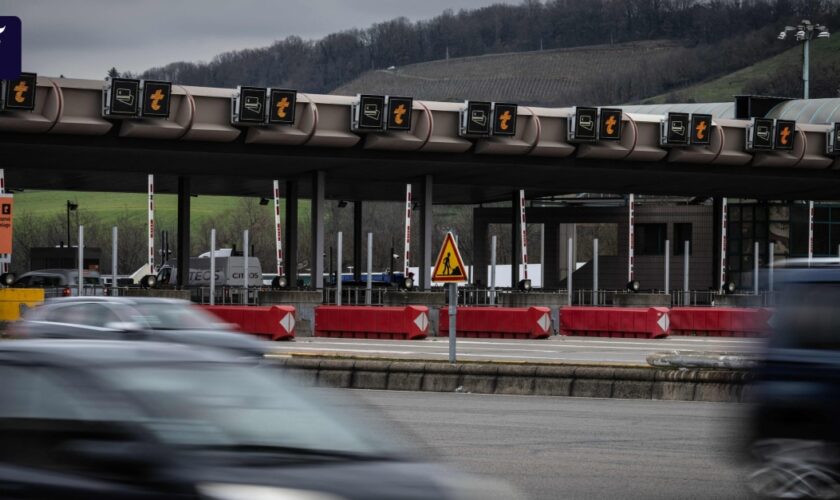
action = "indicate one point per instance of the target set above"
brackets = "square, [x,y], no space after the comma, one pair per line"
[83,38]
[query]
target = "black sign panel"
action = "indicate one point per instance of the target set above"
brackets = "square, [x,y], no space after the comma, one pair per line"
[585,124]
[677,129]
[156,99]
[282,106]
[836,142]
[20,92]
[252,104]
[701,129]
[609,128]
[399,113]
[124,97]
[785,134]
[762,134]
[478,118]
[371,112]
[504,119]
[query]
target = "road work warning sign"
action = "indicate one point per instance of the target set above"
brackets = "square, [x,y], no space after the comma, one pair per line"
[449,267]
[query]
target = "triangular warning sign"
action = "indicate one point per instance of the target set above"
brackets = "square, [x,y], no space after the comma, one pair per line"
[449,267]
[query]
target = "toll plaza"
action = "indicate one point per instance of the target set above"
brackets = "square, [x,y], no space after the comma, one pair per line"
[765,159]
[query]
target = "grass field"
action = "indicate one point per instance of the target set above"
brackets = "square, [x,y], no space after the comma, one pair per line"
[108,208]
[723,88]
[550,77]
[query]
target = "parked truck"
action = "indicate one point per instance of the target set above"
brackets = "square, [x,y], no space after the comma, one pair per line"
[230,271]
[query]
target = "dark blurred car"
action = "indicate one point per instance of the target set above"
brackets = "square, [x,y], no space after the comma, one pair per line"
[143,420]
[132,318]
[795,421]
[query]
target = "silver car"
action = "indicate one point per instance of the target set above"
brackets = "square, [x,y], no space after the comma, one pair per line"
[133,318]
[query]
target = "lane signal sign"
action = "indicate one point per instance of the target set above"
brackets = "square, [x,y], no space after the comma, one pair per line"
[701,129]
[675,130]
[248,106]
[785,135]
[449,266]
[583,125]
[399,113]
[476,119]
[156,99]
[832,143]
[368,113]
[281,106]
[760,134]
[610,124]
[504,119]
[19,93]
[121,97]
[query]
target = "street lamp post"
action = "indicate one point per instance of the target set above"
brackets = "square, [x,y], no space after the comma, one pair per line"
[70,206]
[804,32]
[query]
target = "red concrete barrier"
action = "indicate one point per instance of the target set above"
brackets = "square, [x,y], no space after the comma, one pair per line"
[720,321]
[623,322]
[498,322]
[274,322]
[372,322]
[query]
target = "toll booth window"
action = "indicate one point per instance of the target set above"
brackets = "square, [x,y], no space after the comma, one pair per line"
[650,239]
[682,233]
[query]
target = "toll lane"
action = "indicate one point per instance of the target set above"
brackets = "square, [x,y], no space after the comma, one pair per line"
[554,349]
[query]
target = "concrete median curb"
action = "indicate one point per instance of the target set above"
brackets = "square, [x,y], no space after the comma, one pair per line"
[621,382]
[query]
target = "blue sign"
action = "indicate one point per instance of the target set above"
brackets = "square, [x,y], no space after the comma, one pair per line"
[10,47]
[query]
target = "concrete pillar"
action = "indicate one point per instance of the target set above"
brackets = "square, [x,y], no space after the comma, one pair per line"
[357,241]
[424,261]
[317,214]
[551,260]
[564,232]
[480,247]
[516,244]
[183,231]
[291,255]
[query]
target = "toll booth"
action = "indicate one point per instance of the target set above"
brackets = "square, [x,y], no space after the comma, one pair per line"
[64,258]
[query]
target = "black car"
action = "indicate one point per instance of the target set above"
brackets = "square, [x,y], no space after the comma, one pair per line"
[133,318]
[144,420]
[794,436]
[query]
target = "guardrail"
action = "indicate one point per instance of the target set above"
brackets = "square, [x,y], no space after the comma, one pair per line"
[355,296]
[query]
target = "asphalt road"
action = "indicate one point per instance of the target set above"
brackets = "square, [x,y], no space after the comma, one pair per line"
[554,349]
[570,448]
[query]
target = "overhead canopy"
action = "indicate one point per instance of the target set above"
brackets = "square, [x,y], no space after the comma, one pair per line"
[65,143]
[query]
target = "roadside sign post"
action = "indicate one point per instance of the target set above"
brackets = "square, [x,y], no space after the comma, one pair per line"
[453,310]
[493,270]
[810,232]
[686,249]
[114,258]
[338,269]
[595,272]
[213,267]
[667,266]
[771,262]
[449,268]
[81,280]
[245,271]
[369,287]
[570,264]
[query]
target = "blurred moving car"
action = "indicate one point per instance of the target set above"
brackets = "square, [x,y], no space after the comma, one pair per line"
[117,420]
[794,432]
[132,318]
